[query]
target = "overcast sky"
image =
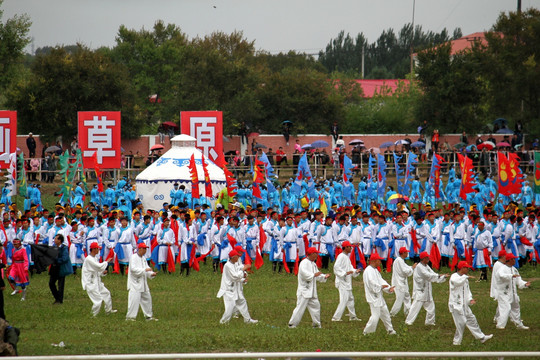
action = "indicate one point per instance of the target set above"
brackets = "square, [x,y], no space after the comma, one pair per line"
[275,25]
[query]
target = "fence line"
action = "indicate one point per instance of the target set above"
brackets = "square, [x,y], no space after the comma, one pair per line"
[295,355]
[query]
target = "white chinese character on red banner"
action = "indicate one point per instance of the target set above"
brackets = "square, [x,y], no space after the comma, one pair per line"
[8,135]
[207,128]
[99,132]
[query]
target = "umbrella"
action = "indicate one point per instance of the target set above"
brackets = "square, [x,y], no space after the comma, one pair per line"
[306,147]
[357,142]
[386,144]
[287,122]
[402,142]
[518,146]
[500,122]
[375,150]
[253,134]
[226,139]
[53,148]
[487,145]
[157,147]
[260,146]
[503,144]
[470,148]
[395,198]
[460,145]
[320,144]
[170,124]
[505,131]
[418,144]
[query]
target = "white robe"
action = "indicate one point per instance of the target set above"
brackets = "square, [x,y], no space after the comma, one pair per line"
[92,271]
[137,285]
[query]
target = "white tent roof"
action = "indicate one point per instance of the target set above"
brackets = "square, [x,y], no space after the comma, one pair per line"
[156,181]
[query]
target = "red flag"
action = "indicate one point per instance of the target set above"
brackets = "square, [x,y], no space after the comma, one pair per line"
[175,229]
[516,176]
[247,259]
[306,241]
[116,266]
[487,257]
[262,236]
[455,260]
[468,256]
[192,255]
[505,187]
[258,259]
[435,257]
[258,172]
[389,263]
[194,177]
[319,261]
[256,191]
[525,241]
[285,266]
[295,270]
[416,246]
[467,180]
[229,179]
[353,256]
[207,182]
[232,240]
[170,260]
[98,172]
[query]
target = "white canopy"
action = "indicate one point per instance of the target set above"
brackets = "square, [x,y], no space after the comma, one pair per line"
[155,183]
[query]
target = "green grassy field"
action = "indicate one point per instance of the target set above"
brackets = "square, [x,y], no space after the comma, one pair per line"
[189,313]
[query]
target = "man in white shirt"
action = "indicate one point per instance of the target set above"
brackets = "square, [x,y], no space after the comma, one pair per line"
[508,280]
[92,271]
[137,285]
[308,275]
[344,272]
[231,289]
[400,272]
[458,303]
[423,276]
[497,266]
[374,285]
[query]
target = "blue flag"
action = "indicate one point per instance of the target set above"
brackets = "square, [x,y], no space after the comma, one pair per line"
[412,161]
[399,171]
[381,175]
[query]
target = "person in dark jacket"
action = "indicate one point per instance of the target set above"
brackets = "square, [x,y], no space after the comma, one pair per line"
[59,270]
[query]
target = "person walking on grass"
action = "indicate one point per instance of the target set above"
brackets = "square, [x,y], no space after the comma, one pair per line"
[344,272]
[59,270]
[92,271]
[137,284]
[18,273]
[458,303]
[374,285]
[423,276]
[306,295]
[400,272]
[232,289]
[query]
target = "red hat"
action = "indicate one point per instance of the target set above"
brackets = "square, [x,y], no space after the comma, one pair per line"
[239,249]
[403,249]
[311,250]
[94,245]
[424,254]
[346,243]
[502,253]
[510,256]
[233,253]
[463,264]
[375,256]
[142,245]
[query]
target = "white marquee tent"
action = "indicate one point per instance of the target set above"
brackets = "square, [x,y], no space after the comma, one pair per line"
[155,183]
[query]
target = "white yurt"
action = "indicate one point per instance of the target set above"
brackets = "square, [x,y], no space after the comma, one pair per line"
[155,183]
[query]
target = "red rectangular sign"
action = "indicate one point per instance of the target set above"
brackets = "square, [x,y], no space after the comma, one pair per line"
[8,136]
[99,131]
[207,128]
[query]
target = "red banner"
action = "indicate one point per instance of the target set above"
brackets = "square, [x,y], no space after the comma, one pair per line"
[207,128]
[99,131]
[194,177]
[467,176]
[8,136]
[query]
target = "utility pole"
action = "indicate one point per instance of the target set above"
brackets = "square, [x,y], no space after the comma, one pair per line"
[412,39]
[363,47]
[519,6]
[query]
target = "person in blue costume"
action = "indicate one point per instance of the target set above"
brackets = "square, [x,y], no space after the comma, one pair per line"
[78,195]
[416,196]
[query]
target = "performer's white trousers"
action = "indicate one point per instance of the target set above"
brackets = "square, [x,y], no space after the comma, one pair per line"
[378,312]
[136,298]
[231,305]
[463,318]
[346,300]
[402,298]
[313,306]
[97,296]
[415,310]
[508,309]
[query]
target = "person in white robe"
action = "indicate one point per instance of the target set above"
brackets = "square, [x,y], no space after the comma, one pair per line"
[497,266]
[508,281]
[423,276]
[92,271]
[459,300]
[306,294]
[231,289]
[137,285]
[400,272]
[344,271]
[374,286]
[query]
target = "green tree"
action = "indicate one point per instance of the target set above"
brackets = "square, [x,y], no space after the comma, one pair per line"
[13,39]
[61,84]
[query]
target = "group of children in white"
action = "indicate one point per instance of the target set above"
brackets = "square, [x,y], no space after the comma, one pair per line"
[362,238]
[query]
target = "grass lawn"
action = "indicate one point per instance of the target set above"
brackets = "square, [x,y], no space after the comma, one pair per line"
[189,313]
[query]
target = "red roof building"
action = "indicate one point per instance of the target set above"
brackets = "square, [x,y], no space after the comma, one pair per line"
[372,87]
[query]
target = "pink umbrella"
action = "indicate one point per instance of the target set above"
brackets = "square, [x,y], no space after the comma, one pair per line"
[503,144]
[375,150]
